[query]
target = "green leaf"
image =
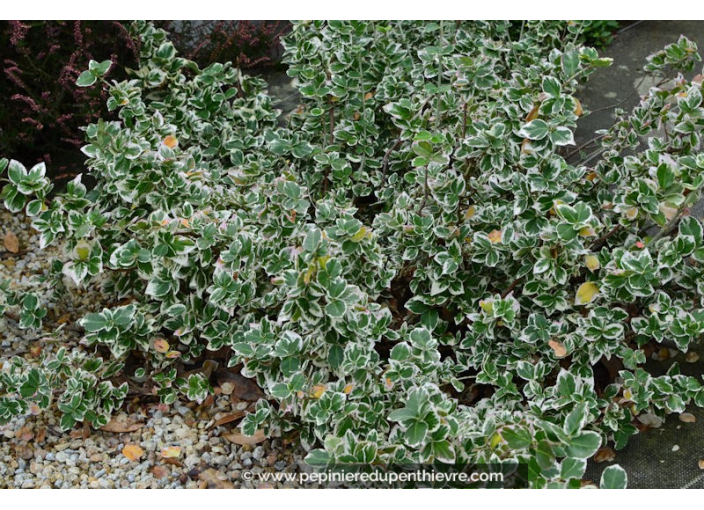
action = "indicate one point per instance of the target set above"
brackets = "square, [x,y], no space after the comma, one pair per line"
[551,86]
[572,468]
[415,434]
[535,130]
[94,322]
[16,172]
[31,385]
[614,477]
[336,309]
[86,79]
[318,458]
[517,438]
[570,63]
[584,445]
[576,419]
[312,240]
[562,136]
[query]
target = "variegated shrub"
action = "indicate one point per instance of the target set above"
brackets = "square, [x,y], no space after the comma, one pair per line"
[416,266]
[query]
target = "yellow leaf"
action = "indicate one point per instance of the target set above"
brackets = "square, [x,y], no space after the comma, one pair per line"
[471,210]
[348,389]
[557,348]
[487,306]
[132,452]
[586,293]
[82,250]
[592,262]
[170,141]
[173,354]
[361,234]
[587,232]
[496,439]
[323,261]
[495,236]
[309,274]
[171,452]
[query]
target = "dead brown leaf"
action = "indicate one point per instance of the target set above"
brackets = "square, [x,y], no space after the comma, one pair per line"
[211,480]
[241,439]
[25,452]
[24,434]
[228,418]
[11,242]
[604,455]
[160,472]
[121,424]
[242,387]
[687,418]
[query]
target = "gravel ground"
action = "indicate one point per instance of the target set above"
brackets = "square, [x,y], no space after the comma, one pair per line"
[35,454]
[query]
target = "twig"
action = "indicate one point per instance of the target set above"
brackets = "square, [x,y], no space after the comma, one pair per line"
[584,145]
[599,242]
[385,161]
[425,193]
[511,287]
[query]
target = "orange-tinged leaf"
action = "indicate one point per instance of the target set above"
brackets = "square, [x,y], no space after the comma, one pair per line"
[495,236]
[171,452]
[11,242]
[533,114]
[578,110]
[348,389]
[669,212]
[558,348]
[368,96]
[318,391]
[240,439]
[161,345]
[132,452]
[171,142]
[173,354]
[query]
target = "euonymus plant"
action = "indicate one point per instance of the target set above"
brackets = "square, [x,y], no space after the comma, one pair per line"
[416,265]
